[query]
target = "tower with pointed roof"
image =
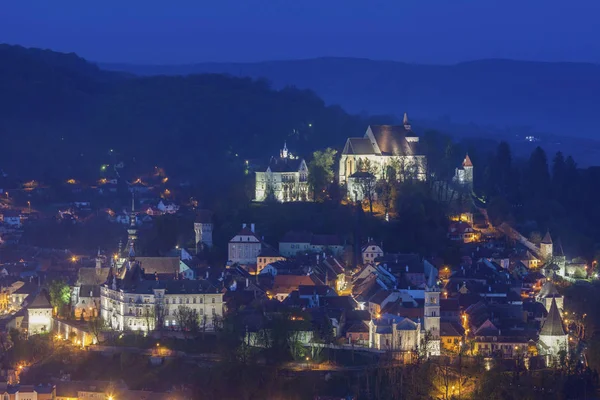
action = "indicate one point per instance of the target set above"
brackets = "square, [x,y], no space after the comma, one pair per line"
[464,174]
[431,314]
[548,294]
[546,246]
[284,152]
[131,230]
[553,336]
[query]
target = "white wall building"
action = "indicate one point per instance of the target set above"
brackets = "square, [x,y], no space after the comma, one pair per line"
[133,304]
[39,314]
[285,179]
[244,247]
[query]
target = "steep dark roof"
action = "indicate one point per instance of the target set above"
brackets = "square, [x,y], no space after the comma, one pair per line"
[391,140]
[358,327]
[296,237]
[204,216]
[42,300]
[549,290]
[159,265]
[547,238]
[450,329]
[92,276]
[268,251]
[553,326]
[379,297]
[325,240]
[278,164]
[358,146]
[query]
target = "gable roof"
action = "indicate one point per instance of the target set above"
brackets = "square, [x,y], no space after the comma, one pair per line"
[358,146]
[467,161]
[549,290]
[289,283]
[159,265]
[246,231]
[92,276]
[41,301]
[391,140]
[547,238]
[553,326]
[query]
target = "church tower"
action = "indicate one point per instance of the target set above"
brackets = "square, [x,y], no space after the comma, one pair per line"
[203,228]
[464,174]
[432,314]
[553,336]
[132,230]
[546,247]
[284,152]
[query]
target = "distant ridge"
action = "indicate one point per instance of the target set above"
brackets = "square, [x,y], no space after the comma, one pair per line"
[558,97]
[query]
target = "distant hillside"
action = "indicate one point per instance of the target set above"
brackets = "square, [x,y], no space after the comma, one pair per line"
[60,116]
[561,98]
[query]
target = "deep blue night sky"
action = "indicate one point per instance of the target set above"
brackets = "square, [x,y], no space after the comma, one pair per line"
[425,31]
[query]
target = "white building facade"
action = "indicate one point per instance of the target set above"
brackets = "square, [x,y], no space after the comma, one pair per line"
[284,180]
[149,303]
[244,247]
[383,150]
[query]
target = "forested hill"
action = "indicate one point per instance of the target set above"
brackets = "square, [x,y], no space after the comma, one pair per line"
[558,98]
[60,116]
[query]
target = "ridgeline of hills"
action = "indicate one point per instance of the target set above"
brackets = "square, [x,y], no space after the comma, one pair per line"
[60,116]
[559,98]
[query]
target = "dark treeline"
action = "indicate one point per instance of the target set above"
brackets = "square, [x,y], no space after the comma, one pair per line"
[60,117]
[542,193]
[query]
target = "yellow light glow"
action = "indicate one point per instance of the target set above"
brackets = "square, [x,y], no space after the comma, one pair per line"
[73,259]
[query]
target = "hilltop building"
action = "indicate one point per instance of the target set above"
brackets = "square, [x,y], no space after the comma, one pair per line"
[464,174]
[285,179]
[383,147]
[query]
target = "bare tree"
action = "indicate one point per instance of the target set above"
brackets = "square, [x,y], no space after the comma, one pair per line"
[366,180]
[97,326]
[187,320]
[149,318]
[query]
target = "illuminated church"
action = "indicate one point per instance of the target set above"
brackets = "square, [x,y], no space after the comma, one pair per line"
[382,147]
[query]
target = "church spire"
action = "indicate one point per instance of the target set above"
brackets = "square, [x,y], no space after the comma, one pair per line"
[406,122]
[467,161]
[284,151]
[132,230]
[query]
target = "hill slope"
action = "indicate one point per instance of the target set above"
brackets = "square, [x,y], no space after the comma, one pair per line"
[62,115]
[560,98]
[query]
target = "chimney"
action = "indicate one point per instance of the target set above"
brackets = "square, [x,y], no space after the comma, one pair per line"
[206,276]
[407,268]
[247,282]
[243,226]
[489,288]
[252,227]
